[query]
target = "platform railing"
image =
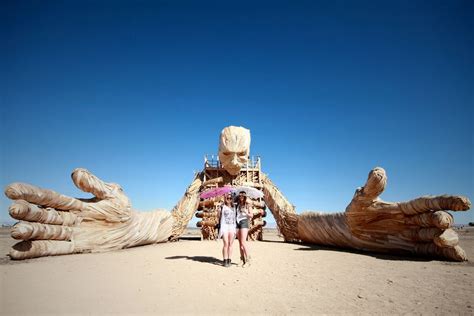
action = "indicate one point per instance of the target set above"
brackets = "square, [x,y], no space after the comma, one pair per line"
[212,161]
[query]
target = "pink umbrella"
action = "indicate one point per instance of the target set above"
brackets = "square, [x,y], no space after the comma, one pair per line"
[215,192]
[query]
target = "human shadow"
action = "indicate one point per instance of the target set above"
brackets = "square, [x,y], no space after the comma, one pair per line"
[190,238]
[203,259]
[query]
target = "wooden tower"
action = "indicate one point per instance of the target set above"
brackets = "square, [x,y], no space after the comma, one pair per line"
[215,176]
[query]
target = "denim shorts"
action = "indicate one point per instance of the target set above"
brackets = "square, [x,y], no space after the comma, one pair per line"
[243,224]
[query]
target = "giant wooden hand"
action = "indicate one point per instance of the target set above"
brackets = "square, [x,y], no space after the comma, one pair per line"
[54,224]
[421,226]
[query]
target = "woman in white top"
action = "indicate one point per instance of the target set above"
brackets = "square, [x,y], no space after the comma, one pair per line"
[227,228]
[243,217]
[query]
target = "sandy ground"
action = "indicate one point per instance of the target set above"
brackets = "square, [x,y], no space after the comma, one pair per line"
[186,278]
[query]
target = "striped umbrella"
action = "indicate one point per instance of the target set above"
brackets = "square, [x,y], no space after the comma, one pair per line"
[249,191]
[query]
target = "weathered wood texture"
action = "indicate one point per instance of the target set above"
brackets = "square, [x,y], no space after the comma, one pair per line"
[234,168]
[184,210]
[283,211]
[421,226]
[55,224]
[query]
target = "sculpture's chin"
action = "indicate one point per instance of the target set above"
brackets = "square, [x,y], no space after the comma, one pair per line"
[233,171]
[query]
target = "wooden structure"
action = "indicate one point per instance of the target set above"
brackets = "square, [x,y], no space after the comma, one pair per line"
[54,224]
[214,175]
[421,226]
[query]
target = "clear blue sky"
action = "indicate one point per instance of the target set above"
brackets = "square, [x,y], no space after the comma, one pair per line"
[137,92]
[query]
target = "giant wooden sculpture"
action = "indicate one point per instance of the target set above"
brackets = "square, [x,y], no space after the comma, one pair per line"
[54,224]
[222,171]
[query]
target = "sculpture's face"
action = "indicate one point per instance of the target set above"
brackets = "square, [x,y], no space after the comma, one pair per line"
[234,148]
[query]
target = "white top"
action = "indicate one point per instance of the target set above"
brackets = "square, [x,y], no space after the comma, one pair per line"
[241,213]
[227,221]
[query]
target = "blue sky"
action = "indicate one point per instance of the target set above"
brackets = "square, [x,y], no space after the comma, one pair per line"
[137,92]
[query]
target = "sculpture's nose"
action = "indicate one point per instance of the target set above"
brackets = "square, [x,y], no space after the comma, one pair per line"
[235,161]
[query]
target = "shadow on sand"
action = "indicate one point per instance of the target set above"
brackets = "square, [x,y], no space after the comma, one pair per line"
[381,256]
[203,259]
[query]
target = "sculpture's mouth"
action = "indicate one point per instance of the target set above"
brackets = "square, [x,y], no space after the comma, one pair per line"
[232,169]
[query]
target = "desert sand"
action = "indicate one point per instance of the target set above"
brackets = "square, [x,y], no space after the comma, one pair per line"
[186,277]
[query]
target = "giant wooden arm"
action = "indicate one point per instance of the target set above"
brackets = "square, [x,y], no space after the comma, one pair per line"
[55,224]
[420,226]
[185,208]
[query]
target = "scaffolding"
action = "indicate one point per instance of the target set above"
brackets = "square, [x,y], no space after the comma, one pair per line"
[249,174]
[215,176]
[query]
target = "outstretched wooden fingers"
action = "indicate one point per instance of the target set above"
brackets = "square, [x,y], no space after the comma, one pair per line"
[455,253]
[27,231]
[440,219]
[43,197]
[435,203]
[40,248]
[441,237]
[376,182]
[25,211]
[88,182]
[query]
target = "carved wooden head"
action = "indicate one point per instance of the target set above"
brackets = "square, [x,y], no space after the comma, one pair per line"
[234,148]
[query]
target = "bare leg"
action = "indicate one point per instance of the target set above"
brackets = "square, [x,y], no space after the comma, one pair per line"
[240,243]
[225,248]
[244,251]
[230,243]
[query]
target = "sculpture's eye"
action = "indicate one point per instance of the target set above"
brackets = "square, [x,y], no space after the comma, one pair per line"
[226,153]
[243,153]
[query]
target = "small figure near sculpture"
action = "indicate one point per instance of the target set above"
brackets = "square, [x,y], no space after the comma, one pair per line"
[227,228]
[243,216]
